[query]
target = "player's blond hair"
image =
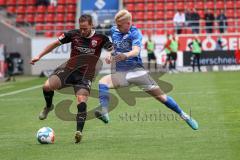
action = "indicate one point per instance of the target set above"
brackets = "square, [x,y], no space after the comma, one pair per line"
[122,15]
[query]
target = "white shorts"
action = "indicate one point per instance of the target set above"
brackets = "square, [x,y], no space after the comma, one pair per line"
[138,77]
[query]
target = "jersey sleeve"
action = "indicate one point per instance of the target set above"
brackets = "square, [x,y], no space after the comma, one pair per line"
[65,37]
[107,44]
[136,38]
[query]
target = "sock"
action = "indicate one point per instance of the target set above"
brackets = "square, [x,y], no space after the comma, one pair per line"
[48,95]
[81,115]
[171,104]
[104,97]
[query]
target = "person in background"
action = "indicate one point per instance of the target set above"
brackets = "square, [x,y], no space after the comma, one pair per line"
[167,49]
[179,21]
[195,21]
[196,48]
[174,49]
[150,47]
[222,21]
[10,68]
[209,21]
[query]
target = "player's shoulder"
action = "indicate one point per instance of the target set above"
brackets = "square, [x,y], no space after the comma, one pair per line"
[135,31]
[99,34]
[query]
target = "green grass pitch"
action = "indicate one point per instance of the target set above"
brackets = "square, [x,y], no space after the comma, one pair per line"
[213,99]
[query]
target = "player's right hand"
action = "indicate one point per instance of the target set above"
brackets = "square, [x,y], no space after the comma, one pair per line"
[34,60]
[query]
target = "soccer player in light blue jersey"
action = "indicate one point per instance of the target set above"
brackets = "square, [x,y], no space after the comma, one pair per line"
[127,41]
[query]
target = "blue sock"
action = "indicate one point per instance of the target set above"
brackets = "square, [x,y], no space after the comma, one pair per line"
[104,96]
[172,104]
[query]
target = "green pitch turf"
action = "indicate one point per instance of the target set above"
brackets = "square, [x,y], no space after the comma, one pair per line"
[146,131]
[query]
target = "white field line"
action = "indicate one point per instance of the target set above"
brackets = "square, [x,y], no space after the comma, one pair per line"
[20,91]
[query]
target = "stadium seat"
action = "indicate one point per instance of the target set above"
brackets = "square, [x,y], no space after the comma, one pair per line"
[190,5]
[41,9]
[39,18]
[229,4]
[129,7]
[160,32]
[238,4]
[209,5]
[59,18]
[60,9]
[31,2]
[49,27]
[169,15]
[29,18]
[30,10]
[39,27]
[169,6]
[20,18]
[159,15]
[11,9]
[71,2]
[199,5]
[180,6]
[238,14]
[230,13]
[149,16]
[219,5]
[139,16]
[11,2]
[70,26]
[150,7]
[2,3]
[139,7]
[51,9]
[61,2]
[71,9]
[70,17]
[159,6]
[59,26]
[141,1]
[49,18]
[21,2]
[20,10]
[139,25]
[201,13]
[48,34]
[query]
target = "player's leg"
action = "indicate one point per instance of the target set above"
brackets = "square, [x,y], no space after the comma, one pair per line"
[48,88]
[193,62]
[82,97]
[105,83]
[145,82]
[149,60]
[198,62]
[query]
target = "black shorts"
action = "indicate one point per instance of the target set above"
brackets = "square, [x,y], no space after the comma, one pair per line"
[169,57]
[174,56]
[151,56]
[73,78]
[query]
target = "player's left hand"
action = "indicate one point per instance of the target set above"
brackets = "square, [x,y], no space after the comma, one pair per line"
[120,57]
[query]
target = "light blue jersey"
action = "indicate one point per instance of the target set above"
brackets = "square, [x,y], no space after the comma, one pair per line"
[123,42]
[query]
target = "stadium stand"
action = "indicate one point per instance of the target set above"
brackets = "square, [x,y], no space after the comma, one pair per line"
[156,13]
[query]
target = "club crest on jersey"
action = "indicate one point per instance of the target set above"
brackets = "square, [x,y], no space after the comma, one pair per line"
[61,36]
[94,43]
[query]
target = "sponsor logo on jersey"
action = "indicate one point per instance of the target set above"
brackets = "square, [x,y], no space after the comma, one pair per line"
[86,50]
[94,43]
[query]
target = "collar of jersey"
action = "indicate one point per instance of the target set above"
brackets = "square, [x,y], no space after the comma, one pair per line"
[91,34]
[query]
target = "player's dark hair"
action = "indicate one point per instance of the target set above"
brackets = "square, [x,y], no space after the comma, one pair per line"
[86,17]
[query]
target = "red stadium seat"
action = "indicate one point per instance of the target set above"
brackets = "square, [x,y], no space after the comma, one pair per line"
[180,6]
[238,4]
[21,2]
[70,17]
[199,5]
[20,10]
[160,32]
[71,9]
[11,2]
[230,4]
[160,25]
[139,7]
[60,9]
[159,15]
[71,2]
[169,6]
[39,27]
[49,18]
[30,9]
[59,26]
[129,7]
[201,13]
[169,15]
[29,18]
[209,5]
[2,2]
[139,16]
[219,5]
[31,2]
[39,18]
[149,16]
[238,14]
[41,9]
[48,34]
[139,25]
[150,6]
[20,18]
[49,27]
[61,2]
[139,1]
[230,13]
[70,26]
[59,18]
[190,5]
[159,6]
[51,9]
[11,10]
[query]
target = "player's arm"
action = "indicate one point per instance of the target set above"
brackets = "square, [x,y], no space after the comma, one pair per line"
[46,50]
[133,53]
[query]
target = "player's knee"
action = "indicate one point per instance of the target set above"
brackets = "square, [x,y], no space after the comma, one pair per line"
[82,99]
[162,98]
[46,87]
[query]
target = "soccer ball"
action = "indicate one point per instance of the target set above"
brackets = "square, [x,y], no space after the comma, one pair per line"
[45,135]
